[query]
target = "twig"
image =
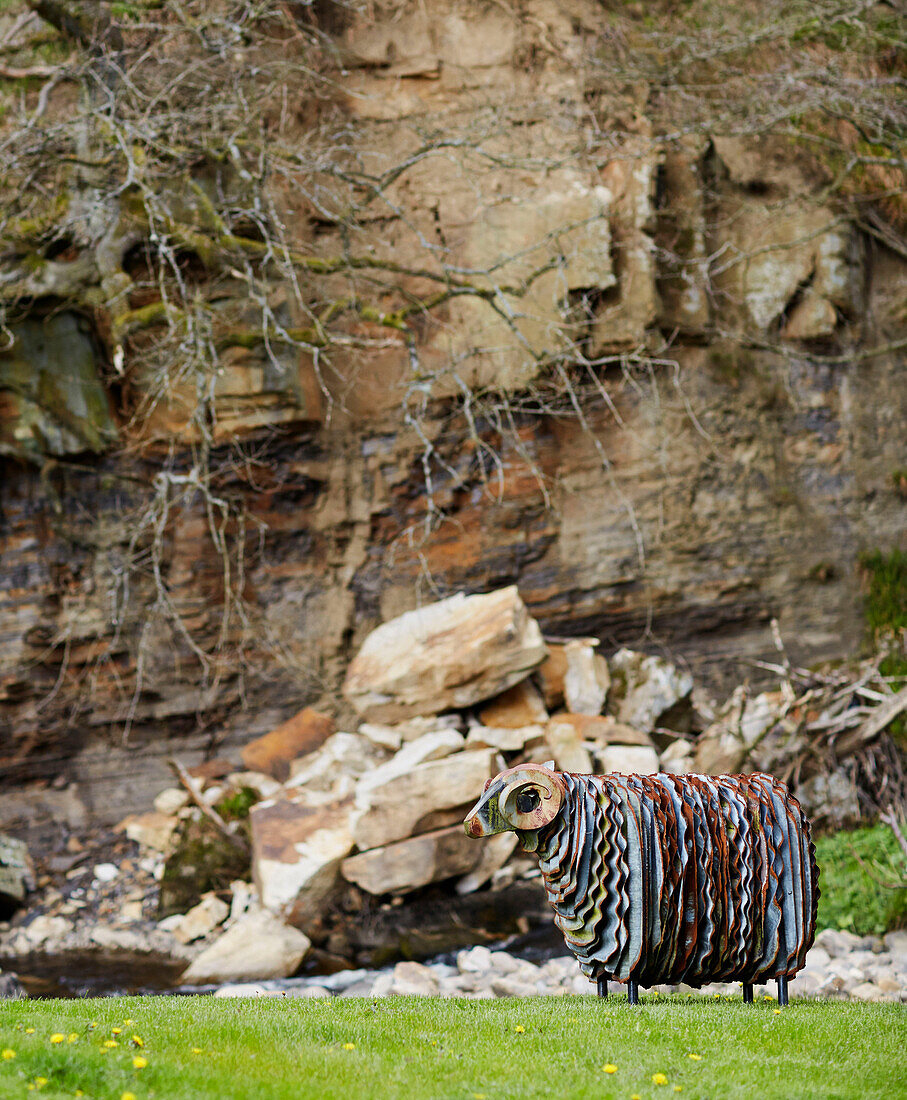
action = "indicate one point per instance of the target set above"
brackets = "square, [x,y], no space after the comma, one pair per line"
[888,816]
[213,816]
[884,714]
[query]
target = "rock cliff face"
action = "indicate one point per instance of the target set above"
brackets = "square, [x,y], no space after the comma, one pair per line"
[664,410]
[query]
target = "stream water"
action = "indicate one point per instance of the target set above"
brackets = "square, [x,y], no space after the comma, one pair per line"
[100,974]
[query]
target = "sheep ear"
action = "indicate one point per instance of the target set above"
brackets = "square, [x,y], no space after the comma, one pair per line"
[549,764]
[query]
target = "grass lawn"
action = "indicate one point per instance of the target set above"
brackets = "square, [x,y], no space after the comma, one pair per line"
[199,1047]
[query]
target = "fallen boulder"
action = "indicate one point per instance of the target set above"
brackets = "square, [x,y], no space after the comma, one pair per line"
[506,738]
[408,864]
[299,735]
[601,729]
[335,767]
[586,680]
[447,655]
[297,848]
[391,804]
[521,705]
[628,759]
[647,690]
[257,947]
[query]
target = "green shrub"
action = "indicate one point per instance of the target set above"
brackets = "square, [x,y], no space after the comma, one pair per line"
[850,898]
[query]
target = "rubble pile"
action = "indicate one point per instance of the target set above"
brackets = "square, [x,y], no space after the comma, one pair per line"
[319,848]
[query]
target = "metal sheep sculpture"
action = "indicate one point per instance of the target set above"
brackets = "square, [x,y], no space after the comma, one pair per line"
[666,878]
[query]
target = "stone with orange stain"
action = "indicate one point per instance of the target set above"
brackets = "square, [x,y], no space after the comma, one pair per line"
[299,735]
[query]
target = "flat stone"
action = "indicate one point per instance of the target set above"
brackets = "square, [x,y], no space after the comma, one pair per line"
[46,929]
[171,800]
[505,738]
[896,942]
[496,850]
[342,760]
[119,939]
[806,984]
[474,960]
[450,654]
[265,786]
[586,680]
[309,992]
[628,759]
[866,991]
[435,745]
[201,919]
[518,707]
[257,947]
[408,864]
[650,687]
[567,746]
[297,850]
[385,737]
[244,989]
[151,830]
[817,956]
[551,673]
[602,729]
[412,979]
[299,735]
[837,943]
[506,986]
[390,808]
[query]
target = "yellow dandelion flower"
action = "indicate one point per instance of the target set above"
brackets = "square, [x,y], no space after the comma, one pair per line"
[128,1096]
[196,1050]
[655,993]
[349,1046]
[695,1057]
[777,1011]
[139,1062]
[72,1037]
[7,1055]
[659,1079]
[766,997]
[92,1026]
[137,1041]
[635,1096]
[57,1038]
[610,1068]
[678,1088]
[116,1031]
[109,1044]
[478,1096]
[40,1082]
[519,1029]
[29,1031]
[79,1092]
[128,1023]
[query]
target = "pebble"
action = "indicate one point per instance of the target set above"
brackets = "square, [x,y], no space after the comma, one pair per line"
[841,966]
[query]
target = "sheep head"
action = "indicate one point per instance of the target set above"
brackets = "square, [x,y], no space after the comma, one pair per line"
[521,799]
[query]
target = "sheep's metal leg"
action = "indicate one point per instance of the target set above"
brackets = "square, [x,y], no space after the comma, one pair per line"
[633,993]
[603,987]
[747,993]
[782,992]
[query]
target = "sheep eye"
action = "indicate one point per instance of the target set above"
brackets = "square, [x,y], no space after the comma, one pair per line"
[527,801]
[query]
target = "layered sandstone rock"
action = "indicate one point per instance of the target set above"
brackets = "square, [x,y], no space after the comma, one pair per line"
[449,654]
